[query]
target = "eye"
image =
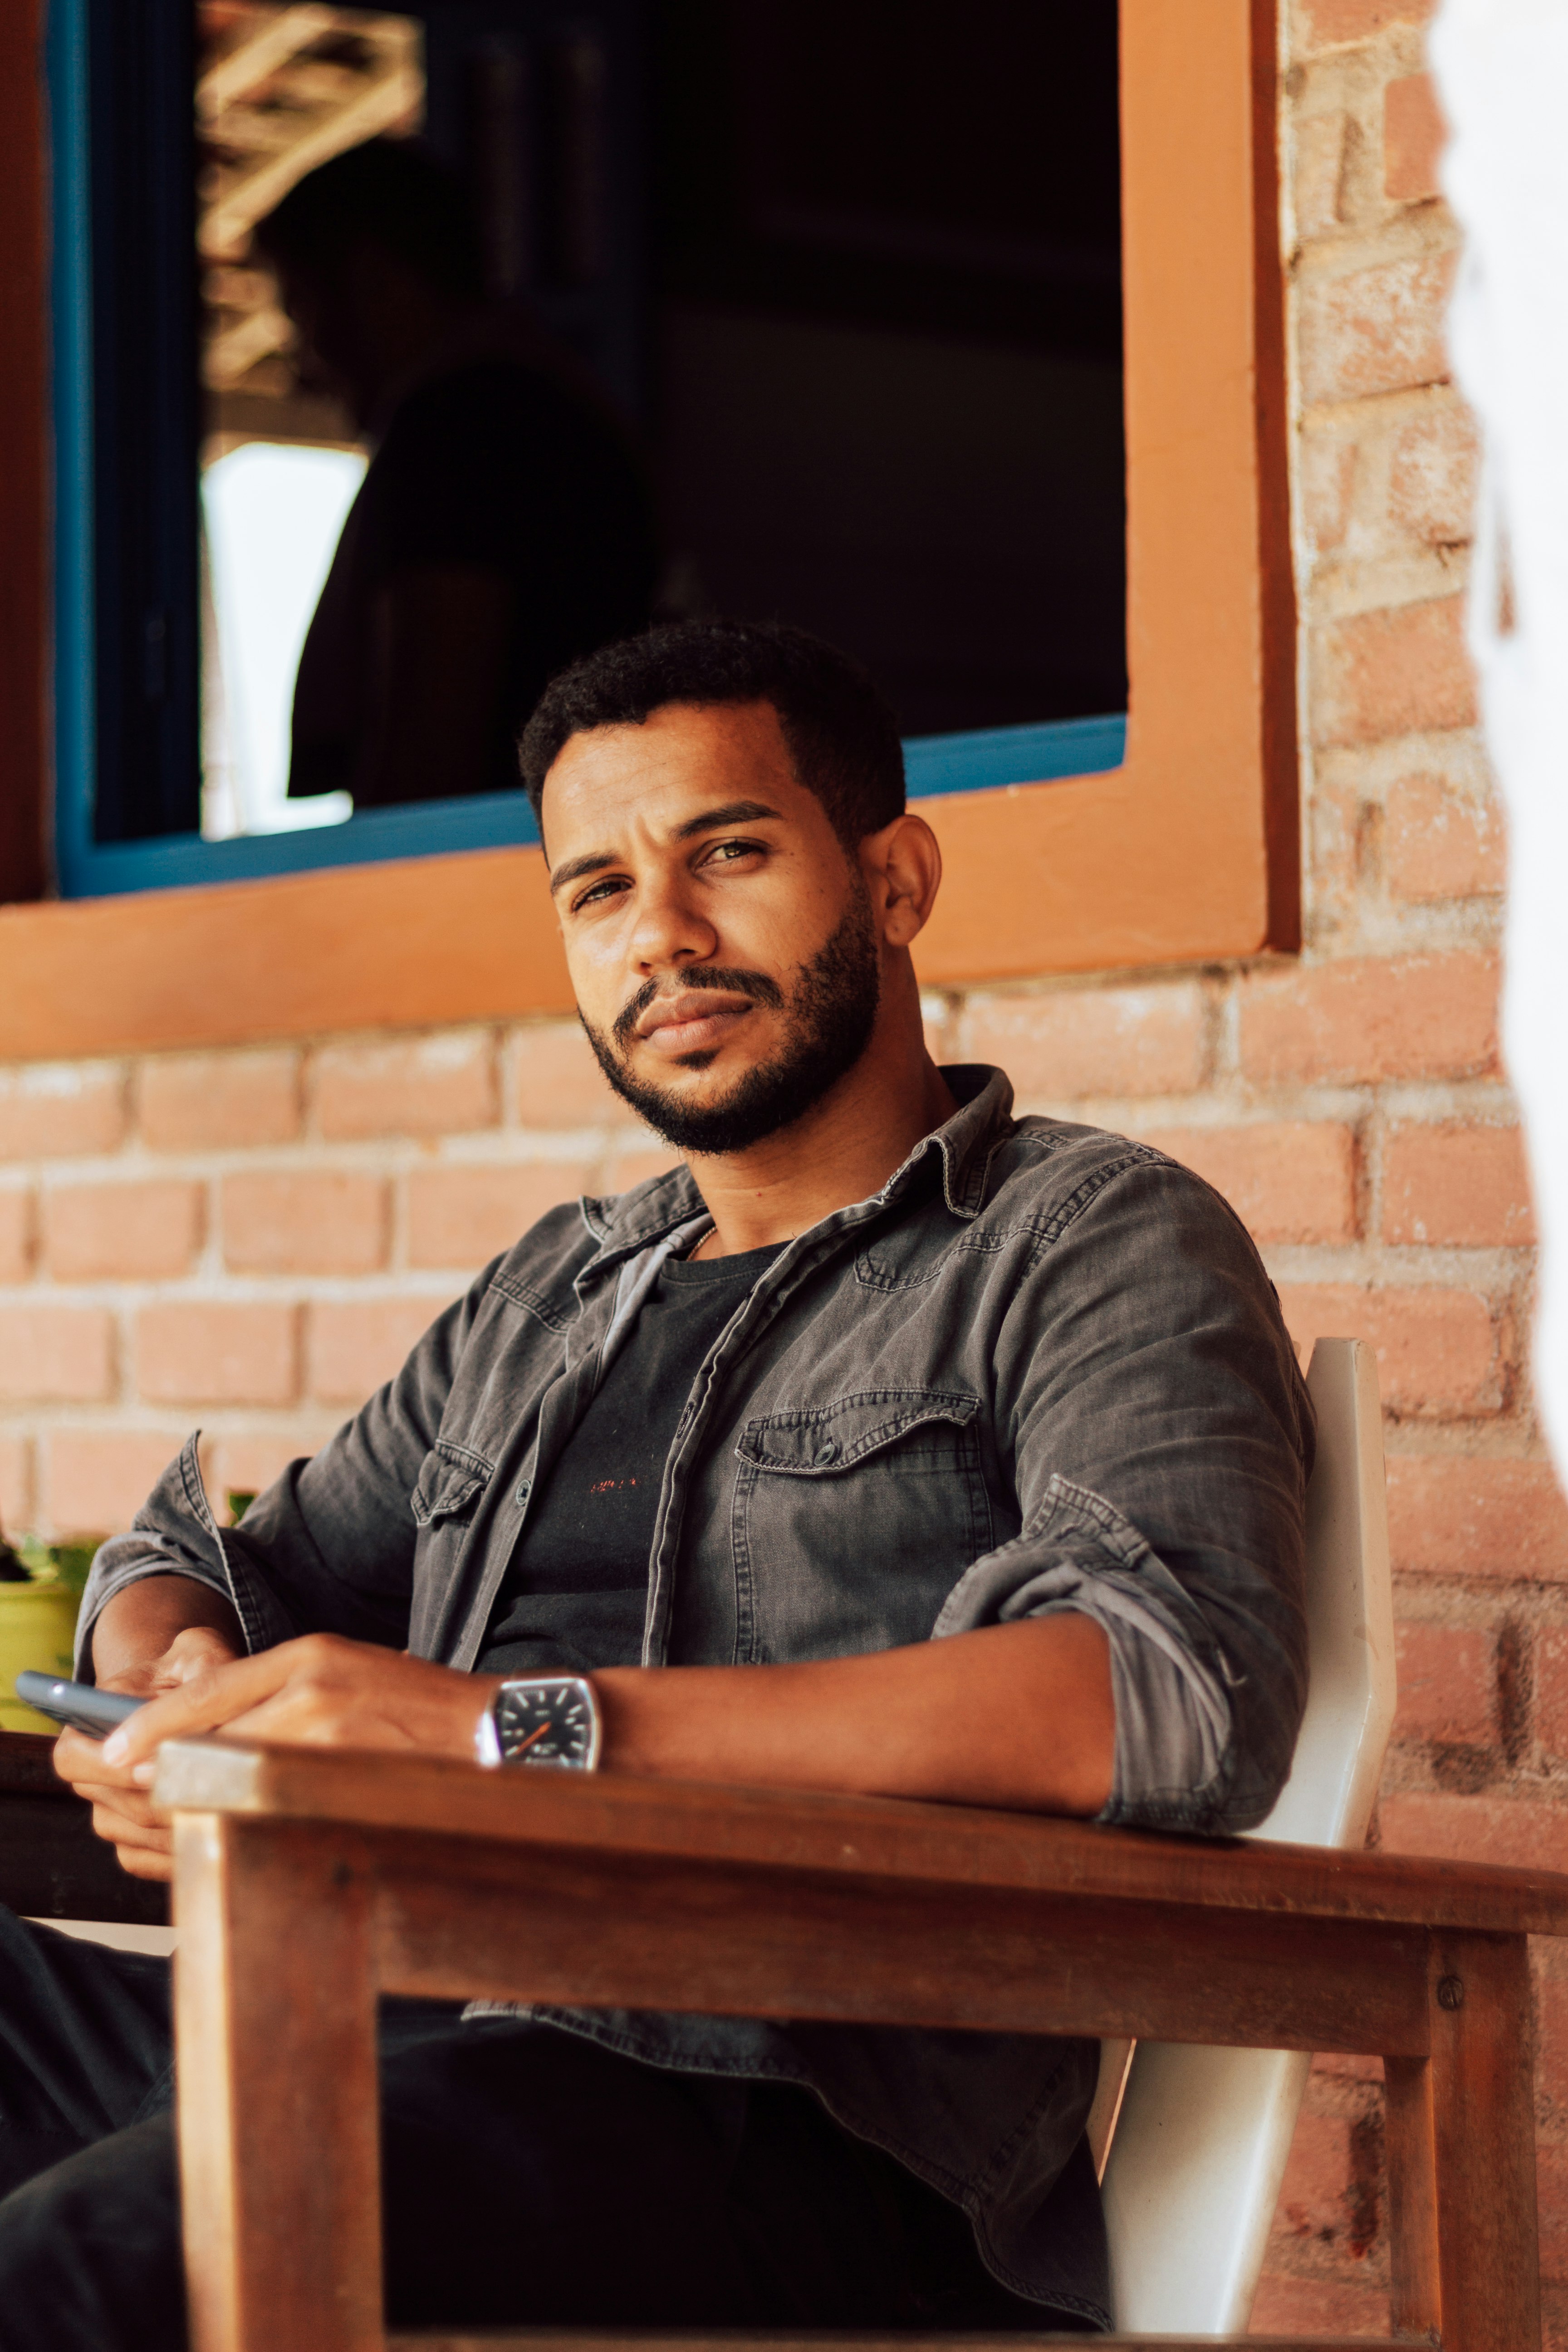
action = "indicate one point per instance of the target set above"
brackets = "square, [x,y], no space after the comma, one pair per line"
[726,853]
[608,886]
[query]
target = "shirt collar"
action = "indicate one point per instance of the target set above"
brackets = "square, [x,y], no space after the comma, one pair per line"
[965,1143]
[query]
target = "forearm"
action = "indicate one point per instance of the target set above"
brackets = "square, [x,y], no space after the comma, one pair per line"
[1012,1715]
[139,1623]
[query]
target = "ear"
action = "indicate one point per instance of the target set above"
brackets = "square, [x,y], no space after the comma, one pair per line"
[902,866]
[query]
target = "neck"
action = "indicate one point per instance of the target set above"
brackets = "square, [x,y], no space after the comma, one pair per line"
[842,1150]
[398,342]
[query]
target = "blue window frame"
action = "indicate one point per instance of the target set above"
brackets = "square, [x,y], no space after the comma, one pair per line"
[90,669]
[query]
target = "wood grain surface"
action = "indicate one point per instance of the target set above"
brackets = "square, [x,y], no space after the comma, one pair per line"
[279,2114]
[788,2339]
[868,1839]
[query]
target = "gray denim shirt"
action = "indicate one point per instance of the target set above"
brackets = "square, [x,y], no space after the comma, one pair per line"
[1042,1369]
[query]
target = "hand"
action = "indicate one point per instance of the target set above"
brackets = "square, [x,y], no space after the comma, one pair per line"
[121,1813]
[317,1692]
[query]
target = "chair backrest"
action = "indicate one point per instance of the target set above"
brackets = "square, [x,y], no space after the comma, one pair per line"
[1201,2136]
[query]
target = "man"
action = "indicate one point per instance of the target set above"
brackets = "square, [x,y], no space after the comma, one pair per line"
[880,1363]
[504,526]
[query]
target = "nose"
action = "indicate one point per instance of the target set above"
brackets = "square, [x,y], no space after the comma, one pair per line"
[670,930]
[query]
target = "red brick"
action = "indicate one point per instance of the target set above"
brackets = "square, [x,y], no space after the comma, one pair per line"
[60,1354]
[1438,844]
[1463,1187]
[634,1168]
[220,1102]
[1368,1018]
[439,1085]
[128,1232]
[1432,475]
[354,1345]
[248,1461]
[1515,1832]
[937,1016]
[1552,2210]
[1319,173]
[16,1512]
[1552,2063]
[1347,2066]
[1413,137]
[1327,480]
[216,1353]
[1436,1352]
[313,1221]
[1551,1664]
[1401,669]
[1325,24]
[1292,2307]
[1094,1041]
[556,1081]
[1377,330]
[54,1110]
[1338,817]
[16,1236]
[1316,2178]
[95,1480]
[1291,1181]
[1470,1518]
[461,1216]
[1448,1688]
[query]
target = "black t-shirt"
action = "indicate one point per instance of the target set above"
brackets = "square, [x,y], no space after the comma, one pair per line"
[576,1593]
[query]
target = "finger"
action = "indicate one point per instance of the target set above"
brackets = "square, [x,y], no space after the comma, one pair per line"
[211,1698]
[291,1718]
[191,1653]
[124,1805]
[80,1760]
[144,1837]
[139,1863]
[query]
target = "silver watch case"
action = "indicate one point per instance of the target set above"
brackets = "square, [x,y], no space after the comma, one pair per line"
[558,1690]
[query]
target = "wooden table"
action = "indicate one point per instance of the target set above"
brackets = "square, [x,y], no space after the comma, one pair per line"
[307,1882]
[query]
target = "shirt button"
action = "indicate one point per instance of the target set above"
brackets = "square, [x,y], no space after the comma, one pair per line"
[523,1493]
[827,1452]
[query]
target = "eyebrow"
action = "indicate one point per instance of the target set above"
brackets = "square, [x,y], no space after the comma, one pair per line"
[597,860]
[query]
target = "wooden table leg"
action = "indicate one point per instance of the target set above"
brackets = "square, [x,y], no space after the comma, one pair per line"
[275,2044]
[1415,2303]
[1483,2119]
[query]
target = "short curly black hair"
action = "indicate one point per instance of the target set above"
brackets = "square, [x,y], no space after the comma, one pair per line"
[841,733]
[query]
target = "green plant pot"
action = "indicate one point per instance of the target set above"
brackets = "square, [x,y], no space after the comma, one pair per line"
[38,1627]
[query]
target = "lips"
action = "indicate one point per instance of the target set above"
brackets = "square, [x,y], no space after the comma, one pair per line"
[692,1020]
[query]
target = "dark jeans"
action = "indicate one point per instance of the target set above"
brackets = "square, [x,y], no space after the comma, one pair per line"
[528,2178]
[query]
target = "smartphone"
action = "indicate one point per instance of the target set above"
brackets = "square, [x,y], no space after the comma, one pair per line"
[81,1704]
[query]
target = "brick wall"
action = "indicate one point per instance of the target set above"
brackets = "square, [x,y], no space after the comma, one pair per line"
[251,1240]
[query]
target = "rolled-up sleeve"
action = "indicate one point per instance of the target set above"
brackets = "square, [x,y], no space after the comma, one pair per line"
[1162,1437]
[329,1547]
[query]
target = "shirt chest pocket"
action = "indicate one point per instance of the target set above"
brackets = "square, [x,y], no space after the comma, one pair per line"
[851,1521]
[451,1485]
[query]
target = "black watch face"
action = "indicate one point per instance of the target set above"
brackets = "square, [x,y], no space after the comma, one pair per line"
[542,1724]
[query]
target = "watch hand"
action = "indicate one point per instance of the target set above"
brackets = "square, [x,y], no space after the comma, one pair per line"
[525,1747]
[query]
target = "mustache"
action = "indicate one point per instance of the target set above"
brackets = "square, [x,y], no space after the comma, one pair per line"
[754,984]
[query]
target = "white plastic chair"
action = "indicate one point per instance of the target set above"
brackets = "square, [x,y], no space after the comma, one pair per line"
[1199,2138]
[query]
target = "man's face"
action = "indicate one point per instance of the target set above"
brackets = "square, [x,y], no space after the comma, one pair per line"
[721,945]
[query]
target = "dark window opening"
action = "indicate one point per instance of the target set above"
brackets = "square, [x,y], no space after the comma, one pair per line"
[852,272]
[889,393]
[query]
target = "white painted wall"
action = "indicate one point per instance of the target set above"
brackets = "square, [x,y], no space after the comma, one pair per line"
[1502,74]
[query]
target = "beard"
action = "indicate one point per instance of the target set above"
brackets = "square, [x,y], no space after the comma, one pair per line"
[832,1010]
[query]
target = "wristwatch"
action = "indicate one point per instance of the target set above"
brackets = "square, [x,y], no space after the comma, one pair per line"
[549,1719]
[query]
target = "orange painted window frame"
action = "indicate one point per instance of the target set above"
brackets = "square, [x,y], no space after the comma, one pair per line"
[1188,852]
